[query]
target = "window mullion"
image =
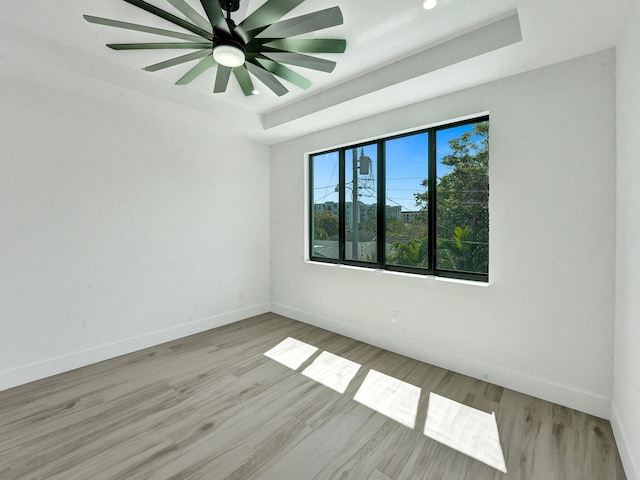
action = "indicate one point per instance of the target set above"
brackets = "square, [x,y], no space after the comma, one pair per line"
[431,243]
[382,205]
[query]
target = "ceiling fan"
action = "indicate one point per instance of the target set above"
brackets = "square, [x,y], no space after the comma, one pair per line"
[258,47]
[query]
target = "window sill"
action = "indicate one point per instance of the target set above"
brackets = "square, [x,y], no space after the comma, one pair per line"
[381,271]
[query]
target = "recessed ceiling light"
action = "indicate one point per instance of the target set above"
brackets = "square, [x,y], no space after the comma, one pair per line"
[255,92]
[429,4]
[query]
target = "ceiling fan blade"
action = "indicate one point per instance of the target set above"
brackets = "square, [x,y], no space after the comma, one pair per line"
[215,14]
[270,12]
[284,72]
[222,79]
[170,18]
[267,78]
[199,69]
[178,60]
[242,75]
[140,28]
[304,24]
[159,46]
[304,61]
[308,45]
[189,12]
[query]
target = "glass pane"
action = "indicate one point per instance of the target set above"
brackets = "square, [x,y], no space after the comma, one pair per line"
[462,198]
[326,214]
[361,203]
[407,171]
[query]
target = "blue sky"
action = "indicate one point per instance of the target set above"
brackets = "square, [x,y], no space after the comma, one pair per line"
[406,169]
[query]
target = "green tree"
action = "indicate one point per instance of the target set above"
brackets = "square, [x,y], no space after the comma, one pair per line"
[325,225]
[461,252]
[409,253]
[462,198]
[408,241]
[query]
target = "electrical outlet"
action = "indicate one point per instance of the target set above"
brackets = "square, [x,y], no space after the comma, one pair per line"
[395,317]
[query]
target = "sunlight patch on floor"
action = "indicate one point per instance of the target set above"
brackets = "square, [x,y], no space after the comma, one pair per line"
[468,430]
[391,397]
[332,371]
[291,352]
[465,429]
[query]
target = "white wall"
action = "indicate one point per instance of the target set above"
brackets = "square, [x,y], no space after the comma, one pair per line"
[626,394]
[544,325]
[126,221]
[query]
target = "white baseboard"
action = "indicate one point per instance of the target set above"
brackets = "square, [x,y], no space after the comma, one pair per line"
[53,366]
[629,461]
[498,375]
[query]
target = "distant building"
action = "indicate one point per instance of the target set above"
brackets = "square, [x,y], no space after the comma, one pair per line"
[366,211]
[327,206]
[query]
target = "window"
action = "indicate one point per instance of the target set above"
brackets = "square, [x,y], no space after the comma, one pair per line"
[417,202]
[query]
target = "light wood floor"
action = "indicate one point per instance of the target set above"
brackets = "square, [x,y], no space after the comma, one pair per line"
[212,406]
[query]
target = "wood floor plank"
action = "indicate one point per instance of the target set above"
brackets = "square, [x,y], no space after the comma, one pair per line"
[5,473]
[378,475]
[212,406]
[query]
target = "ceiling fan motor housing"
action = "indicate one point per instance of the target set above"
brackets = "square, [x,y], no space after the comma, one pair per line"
[231,42]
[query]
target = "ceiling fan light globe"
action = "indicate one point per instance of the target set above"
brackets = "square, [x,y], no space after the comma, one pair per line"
[228,55]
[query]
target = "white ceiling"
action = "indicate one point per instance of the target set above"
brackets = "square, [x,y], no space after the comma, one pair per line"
[397,53]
